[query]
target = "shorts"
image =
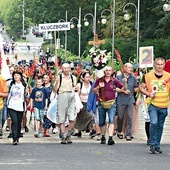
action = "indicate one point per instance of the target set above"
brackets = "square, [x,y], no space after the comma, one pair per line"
[96,116]
[103,112]
[39,115]
[66,108]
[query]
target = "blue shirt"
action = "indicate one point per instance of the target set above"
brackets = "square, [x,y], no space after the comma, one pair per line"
[126,99]
[39,95]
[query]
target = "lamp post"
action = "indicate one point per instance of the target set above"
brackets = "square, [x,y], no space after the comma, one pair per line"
[79,29]
[166,6]
[112,25]
[86,23]
[58,39]
[23,16]
[127,17]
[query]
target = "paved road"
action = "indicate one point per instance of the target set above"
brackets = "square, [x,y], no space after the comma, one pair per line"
[86,154]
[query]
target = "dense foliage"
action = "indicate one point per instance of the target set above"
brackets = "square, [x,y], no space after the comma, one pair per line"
[154,23]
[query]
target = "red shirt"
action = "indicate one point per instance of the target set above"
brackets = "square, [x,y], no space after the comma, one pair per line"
[109,88]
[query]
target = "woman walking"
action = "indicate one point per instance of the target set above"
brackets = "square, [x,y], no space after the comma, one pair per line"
[16,104]
[84,120]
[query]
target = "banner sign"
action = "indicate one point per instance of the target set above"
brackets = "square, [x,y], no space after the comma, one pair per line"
[61,26]
[146,57]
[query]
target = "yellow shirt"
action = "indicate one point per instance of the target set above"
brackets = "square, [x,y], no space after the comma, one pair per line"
[66,84]
[161,89]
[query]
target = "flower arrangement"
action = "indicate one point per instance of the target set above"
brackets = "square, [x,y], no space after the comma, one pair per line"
[99,57]
[31,73]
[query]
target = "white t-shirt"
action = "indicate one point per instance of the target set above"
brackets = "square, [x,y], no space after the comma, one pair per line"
[16,97]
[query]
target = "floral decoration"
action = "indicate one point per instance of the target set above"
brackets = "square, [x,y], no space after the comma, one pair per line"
[99,57]
[31,73]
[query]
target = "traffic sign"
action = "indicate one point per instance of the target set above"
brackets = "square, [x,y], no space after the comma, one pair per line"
[61,26]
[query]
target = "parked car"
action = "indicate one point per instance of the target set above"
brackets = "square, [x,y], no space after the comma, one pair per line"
[38,34]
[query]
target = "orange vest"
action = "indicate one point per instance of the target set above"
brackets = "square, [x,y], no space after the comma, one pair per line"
[3,89]
[162,91]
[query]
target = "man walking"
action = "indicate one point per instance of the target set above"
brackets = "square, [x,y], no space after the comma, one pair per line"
[66,102]
[156,87]
[125,101]
[105,87]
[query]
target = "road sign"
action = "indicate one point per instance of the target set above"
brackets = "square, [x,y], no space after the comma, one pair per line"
[146,57]
[61,26]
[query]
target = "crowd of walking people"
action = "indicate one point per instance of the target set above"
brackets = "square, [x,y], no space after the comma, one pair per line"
[107,102]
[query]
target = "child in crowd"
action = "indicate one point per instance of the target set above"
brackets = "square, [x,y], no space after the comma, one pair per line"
[38,104]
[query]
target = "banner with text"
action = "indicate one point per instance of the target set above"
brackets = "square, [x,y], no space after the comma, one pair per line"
[61,26]
[146,57]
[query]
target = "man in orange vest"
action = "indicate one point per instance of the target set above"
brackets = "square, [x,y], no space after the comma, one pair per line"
[156,87]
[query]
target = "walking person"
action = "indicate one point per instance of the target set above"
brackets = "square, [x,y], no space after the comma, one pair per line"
[126,101]
[16,104]
[64,86]
[38,104]
[106,89]
[156,87]
[84,120]
[48,86]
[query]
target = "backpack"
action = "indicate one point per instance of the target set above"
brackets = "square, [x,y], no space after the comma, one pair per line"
[81,84]
[61,81]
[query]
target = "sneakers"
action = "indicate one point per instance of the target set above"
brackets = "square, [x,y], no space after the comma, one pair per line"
[15,142]
[92,134]
[111,141]
[36,134]
[128,138]
[10,135]
[1,134]
[39,135]
[23,131]
[21,135]
[68,138]
[103,140]
[7,128]
[74,134]
[26,129]
[152,149]
[158,150]
[55,130]
[63,141]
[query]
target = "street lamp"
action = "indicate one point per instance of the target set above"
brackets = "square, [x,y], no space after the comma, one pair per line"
[104,21]
[127,17]
[86,23]
[58,39]
[23,16]
[79,28]
[166,6]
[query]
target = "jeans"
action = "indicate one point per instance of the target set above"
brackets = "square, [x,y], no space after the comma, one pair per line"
[0,120]
[16,117]
[102,114]
[4,115]
[157,119]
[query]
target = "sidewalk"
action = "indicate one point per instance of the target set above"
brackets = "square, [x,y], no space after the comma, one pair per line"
[54,138]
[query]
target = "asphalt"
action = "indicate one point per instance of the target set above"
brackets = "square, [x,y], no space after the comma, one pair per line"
[84,153]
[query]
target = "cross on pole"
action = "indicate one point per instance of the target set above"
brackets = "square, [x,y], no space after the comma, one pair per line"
[96,41]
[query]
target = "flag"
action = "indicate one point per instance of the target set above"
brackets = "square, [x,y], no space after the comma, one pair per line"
[119,58]
[167,66]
